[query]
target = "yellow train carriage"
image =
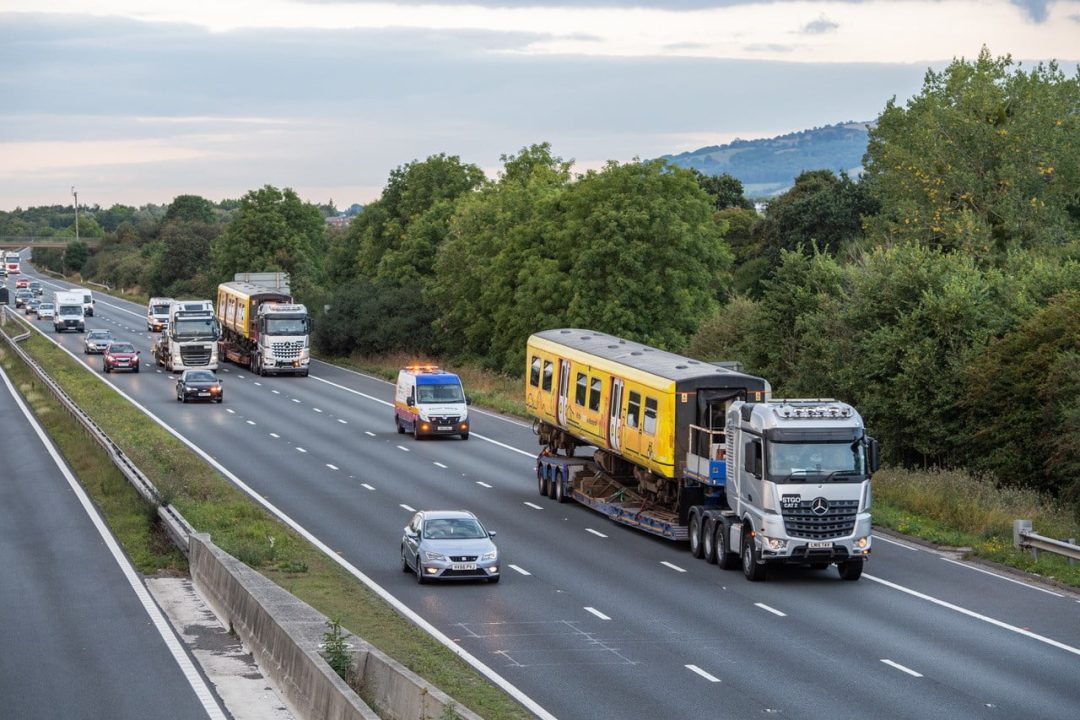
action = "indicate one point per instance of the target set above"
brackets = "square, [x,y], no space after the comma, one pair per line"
[639,404]
[236,304]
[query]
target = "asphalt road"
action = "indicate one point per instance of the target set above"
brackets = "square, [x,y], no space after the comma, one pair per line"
[79,635]
[593,620]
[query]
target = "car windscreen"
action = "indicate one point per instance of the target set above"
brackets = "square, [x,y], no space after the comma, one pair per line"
[200,376]
[99,335]
[453,529]
[442,393]
[121,348]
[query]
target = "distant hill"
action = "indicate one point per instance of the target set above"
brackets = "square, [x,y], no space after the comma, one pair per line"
[768,167]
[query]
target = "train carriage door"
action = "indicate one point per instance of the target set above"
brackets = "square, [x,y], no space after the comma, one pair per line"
[564,389]
[614,409]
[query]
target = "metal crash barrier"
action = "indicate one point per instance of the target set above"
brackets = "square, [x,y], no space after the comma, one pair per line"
[1024,537]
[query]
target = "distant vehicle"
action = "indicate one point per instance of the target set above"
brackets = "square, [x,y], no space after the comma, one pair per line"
[36,287]
[261,327]
[22,283]
[157,313]
[121,356]
[22,296]
[3,270]
[12,263]
[198,385]
[96,341]
[428,401]
[46,311]
[69,312]
[87,300]
[448,545]
[31,305]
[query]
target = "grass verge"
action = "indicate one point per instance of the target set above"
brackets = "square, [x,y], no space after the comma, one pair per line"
[245,530]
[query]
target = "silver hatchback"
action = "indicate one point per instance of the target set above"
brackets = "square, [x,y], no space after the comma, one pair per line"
[448,545]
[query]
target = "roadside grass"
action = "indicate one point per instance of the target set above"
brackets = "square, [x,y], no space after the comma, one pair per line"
[245,530]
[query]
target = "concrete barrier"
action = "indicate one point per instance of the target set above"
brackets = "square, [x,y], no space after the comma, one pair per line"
[285,636]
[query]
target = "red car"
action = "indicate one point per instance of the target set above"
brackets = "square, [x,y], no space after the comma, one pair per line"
[23,282]
[121,356]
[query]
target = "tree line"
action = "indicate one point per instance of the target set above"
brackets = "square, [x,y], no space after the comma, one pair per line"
[939,291]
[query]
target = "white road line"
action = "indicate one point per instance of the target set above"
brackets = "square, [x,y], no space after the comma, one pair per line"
[597,533]
[1002,577]
[702,673]
[317,410]
[901,668]
[410,509]
[332,467]
[676,568]
[368,432]
[250,422]
[230,411]
[274,435]
[241,377]
[597,613]
[533,506]
[365,485]
[403,448]
[972,614]
[515,568]
[300,449]
[481,483]
[259,384]
[894,542]
[343,422]
[773,610]
[440,465]
[295,400]
[195,680]
[276,392]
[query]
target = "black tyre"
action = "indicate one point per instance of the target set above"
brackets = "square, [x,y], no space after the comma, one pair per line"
[752,569]
[397,424]
[695,535]
[464,436]
[107,369]
[420,578]
[416,430]
[726,559]
[555,482]
[560,492]
[708,541]
[541,481]
[136,368]
[404,563]
[851,569]
[220,399]
[179,398]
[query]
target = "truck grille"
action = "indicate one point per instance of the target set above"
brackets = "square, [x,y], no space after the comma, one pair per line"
[287,350]
[837,521]
[195,355]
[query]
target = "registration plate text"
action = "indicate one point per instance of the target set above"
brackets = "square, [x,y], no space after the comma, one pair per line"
[464,566]
[820,544]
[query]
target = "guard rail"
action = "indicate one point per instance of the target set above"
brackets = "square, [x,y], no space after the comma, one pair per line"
[1024,537]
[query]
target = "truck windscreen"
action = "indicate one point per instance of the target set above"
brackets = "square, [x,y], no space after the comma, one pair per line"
[442,393]
[286,325]
[839,462]
[161,310]
[195,329]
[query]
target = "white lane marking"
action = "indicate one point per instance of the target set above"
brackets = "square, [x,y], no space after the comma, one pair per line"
[481,483]
[329,552]
[368,432]
[343,422]
[533,506]
[515,568]
[597,533]
[773,610]
[410,509]
[317,410]
[440,465]
[295,400]
[1002,577]
[332,467]
[365,485]
[972,614]
[300,449]
[597,613]
[250,422]
[195,680]
[670,565]
[702,673]
[230,411]
[241,377]
[274,435]
[894,542]
[276,392]
[403,448]
[259,384]
[900,667]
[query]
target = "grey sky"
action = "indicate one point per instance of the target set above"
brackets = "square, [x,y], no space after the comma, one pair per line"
[136,104]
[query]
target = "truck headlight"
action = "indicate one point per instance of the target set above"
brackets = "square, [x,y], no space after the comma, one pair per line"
[774,544]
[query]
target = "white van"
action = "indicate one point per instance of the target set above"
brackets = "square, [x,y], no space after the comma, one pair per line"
[88,300]
[428,401]
[157,313]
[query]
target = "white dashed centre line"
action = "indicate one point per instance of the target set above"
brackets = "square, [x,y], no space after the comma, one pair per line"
[368,432]
[440,465]
[343,422]
[276,392]
[317,410]
[230,411]
[295,400]
[407,507]
[481,483]
[515,568]
[332,467]
[676,568]
[901,668]
[534,506]
[403,448]
[365,485]
[774,611]
[259,384]
[702,673]
[597,613]
[597,533]
[300,449]
[250,422]
[274,435]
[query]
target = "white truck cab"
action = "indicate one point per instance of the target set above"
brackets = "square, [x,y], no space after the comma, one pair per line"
[429,401]
[157,313]
[87,300]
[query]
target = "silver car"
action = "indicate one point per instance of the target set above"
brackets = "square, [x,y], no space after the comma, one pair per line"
[448,545]
[46,311]
[96,341]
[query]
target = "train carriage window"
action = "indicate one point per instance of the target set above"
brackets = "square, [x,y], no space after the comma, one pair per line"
[582,389]
[594,394]
[534,372]
[549,368]
[633,410]
[650,416]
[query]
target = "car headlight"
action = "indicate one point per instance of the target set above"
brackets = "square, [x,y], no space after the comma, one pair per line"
[434,555]
[490,555]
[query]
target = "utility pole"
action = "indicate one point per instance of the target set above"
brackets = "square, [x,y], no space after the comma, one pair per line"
[76,194]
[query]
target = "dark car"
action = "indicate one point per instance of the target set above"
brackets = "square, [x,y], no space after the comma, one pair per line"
[121,356]
[31,305]
[22,296]
[96,341]
[36,288]
[198,385]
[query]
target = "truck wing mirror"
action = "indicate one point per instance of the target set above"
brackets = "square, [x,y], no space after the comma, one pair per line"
[468,400]
[752,458]
[873,451]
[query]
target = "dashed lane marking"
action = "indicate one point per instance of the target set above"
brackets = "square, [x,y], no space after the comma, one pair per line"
[481,483]
[317,410]
[597,533]
[274,435]
[597,613]
[702,673]
[295,400]
[403,448]
[300,449]
[250,422]
[515,568]
[901,668]
[534,506]
[440,465]
[773,610]
[368,432]
[410,509]
[674,567]
[230,411]
[332,467]
[365,485]
[343,422]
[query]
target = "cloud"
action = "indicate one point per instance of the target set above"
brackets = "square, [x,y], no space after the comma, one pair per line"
[821,25]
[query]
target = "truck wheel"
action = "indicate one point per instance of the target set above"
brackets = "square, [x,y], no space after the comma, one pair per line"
[724,557]
[560,492]
[555,482]
[695,534]
[541,480]
[397,424]
[752,569]
[851,569]
[708,541]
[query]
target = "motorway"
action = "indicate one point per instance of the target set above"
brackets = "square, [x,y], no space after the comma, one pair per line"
[593,620]
[81,636]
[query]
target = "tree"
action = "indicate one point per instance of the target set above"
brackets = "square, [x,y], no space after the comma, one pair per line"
[190,208]
[75,255]
[725,190]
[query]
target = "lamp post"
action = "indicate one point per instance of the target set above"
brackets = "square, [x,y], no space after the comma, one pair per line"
[76,194]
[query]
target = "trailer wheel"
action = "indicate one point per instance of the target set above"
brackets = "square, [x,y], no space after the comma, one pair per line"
[851,569]
[560,491]
[752,569]
[542,480]
[555,482]
[695,534]
[708,541]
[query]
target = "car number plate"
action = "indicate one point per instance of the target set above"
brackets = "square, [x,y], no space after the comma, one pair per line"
[464,566]
[821,544]
[204,394]
[445,427]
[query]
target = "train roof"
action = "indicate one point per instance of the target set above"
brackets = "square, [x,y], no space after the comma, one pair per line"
[256,292]
[685,372]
